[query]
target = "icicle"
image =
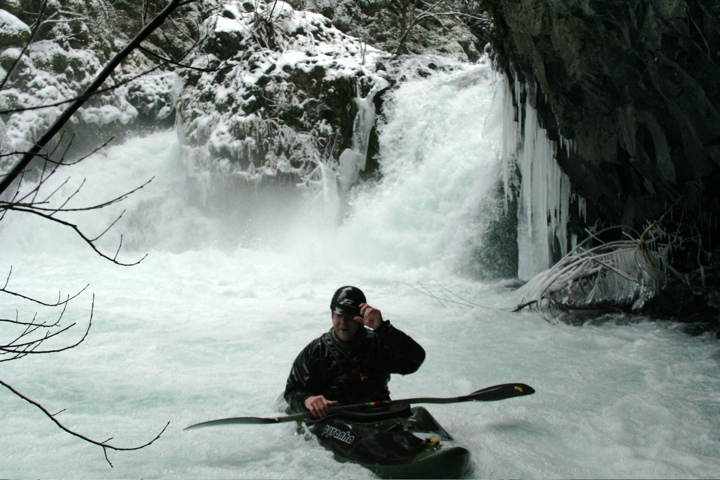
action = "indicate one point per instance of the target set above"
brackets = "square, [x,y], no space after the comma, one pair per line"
[509,140]
[581,206]
[544,190]
[352,160]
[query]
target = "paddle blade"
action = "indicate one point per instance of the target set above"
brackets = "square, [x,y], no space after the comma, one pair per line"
[233,421]
[500,392]
[248,421]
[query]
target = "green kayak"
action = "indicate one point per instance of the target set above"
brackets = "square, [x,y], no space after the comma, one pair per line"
[393,442]
[390,438]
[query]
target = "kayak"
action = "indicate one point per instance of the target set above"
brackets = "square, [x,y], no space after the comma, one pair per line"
[391,439]
[392,442]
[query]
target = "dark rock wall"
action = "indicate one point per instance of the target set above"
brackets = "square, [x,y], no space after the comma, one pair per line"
[634,85]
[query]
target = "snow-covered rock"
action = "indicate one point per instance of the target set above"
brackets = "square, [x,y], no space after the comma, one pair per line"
[277,91]
[13,31]
[63,59]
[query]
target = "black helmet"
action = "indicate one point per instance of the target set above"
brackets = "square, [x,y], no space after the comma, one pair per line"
[347,300]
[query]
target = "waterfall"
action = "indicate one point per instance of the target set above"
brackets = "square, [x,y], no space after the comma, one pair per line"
[439,157]
[446,142]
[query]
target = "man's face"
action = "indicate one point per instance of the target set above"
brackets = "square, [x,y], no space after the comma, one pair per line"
[345,327]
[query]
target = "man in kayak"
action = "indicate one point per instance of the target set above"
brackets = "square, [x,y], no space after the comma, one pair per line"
[352,362]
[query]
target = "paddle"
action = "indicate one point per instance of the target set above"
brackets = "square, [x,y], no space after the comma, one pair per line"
[489,394]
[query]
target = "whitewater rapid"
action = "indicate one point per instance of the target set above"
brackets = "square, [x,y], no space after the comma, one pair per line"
[208,324]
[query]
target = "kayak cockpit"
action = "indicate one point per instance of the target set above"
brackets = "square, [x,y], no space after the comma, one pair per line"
[393,442]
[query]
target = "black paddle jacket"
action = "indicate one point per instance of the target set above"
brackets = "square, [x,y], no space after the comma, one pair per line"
[352,372]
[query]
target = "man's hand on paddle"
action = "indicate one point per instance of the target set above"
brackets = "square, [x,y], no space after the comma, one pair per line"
[369,316]
[319,405]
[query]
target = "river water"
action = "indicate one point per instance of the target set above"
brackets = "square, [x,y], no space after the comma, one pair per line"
[209,323]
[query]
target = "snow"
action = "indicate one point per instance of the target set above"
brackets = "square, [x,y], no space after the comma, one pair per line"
[11,26]
[246,140]
[107,114]
[49,73]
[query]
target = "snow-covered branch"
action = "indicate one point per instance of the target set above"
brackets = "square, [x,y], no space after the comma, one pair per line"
[625,272]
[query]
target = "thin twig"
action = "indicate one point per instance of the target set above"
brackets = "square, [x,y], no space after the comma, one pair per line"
[104,445]
[40,302]
[80,233]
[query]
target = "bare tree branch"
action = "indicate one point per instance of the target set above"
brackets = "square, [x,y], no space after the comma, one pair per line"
[103,444]
[35,337]
[40,302]
[25,343]
[49,213]
[31,197]
[79,232]
[182,65]
[36,206]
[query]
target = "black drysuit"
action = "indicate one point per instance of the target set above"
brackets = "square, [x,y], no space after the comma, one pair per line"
[352,372]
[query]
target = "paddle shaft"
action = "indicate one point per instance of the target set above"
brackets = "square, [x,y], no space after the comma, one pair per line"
[489,394]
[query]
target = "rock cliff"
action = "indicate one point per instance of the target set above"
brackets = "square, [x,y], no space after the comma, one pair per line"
[632,89]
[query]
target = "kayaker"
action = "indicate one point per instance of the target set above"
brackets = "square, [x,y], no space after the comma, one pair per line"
[352,362]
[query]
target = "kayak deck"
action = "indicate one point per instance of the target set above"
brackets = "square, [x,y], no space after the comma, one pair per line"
[397,442]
